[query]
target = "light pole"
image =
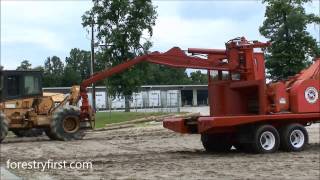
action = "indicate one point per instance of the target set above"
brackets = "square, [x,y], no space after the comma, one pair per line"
[92,64]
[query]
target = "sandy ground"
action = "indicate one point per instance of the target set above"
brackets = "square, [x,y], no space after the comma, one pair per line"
[152,152]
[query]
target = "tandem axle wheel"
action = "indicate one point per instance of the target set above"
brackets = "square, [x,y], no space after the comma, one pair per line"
[260,139]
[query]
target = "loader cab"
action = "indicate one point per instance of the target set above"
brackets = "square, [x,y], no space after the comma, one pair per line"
[20,84]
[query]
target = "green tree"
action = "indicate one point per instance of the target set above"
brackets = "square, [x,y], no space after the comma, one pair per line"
[163,75]
[121,25]
[25,65]
[38,68]
[79,61]
[53,72]
[285,25]
[198,78]
[70,77]
[318,50]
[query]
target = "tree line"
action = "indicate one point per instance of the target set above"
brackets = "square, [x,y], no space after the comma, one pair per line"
[76,68]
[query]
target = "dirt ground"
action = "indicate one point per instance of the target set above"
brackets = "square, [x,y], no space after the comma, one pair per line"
[152,152]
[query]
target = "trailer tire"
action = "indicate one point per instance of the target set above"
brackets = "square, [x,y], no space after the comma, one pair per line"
[34,132]
[4,126]
[265,139]
[65,125]
[294,137]
[216,142]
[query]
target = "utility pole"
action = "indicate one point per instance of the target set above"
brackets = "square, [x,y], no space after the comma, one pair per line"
[92,64]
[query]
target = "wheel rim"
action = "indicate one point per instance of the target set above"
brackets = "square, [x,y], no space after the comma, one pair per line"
[267,140]
[70,124]
[297,138]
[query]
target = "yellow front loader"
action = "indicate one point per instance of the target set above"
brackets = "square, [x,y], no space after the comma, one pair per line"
[27,111]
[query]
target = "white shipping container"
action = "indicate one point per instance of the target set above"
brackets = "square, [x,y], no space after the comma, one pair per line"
[154,98]
[172,98]
[118,103]
[144,99]
[136,100]
[100,99]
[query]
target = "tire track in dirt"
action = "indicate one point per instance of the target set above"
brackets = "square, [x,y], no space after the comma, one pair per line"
[155,153]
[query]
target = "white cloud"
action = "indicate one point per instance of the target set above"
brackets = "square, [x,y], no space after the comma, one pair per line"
[34,30]
[32,36]
[40,22]
[175,31]
[39,12]
[207,33]
[175,28]
[54,27]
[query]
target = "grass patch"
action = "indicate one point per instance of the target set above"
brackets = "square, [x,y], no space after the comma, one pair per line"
[103,118]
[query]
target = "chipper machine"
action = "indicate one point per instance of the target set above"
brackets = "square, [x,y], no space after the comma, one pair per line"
[245,112]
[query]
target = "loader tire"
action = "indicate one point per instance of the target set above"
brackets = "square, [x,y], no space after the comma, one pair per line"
[34,132]
[65,125]
[4,126]
[50,134]
[216,142]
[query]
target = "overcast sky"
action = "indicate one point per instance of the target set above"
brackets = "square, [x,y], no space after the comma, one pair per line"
[34,30]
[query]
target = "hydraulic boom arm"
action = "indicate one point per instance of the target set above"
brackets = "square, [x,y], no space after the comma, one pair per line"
[177,58]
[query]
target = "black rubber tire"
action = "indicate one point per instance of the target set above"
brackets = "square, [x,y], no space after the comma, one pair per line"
[34,132]
[50,134]
[216,142]
[285,132]
[4,126]
[256,146]
[56,128]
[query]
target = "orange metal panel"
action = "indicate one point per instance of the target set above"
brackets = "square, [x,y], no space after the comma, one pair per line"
[304,96]
[278,97]
[175,124]
[207,123]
